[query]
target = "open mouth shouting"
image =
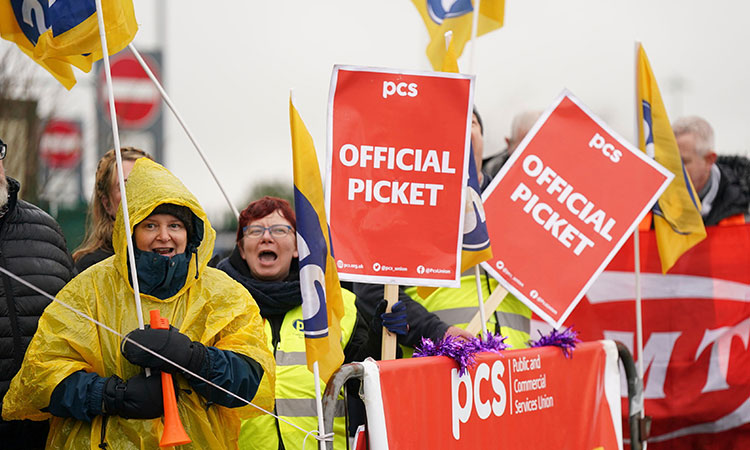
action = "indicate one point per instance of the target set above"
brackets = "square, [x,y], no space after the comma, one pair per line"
[267,257]
[269,252]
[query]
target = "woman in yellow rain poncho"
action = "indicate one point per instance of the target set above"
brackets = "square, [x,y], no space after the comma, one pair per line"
[75,369]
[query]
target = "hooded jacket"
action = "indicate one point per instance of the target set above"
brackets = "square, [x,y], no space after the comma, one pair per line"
[209,308]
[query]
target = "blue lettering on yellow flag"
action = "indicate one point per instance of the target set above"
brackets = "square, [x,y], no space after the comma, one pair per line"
[313,254]
[438,11]
[64,33]
[648,131]
[476,237]
[322,304]
[35,17]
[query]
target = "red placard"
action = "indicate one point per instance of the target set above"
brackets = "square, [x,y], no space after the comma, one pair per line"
[520,399]
[563,205]
[398,145]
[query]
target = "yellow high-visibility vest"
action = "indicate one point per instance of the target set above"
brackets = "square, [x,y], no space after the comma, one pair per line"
[295,388]
[457,306]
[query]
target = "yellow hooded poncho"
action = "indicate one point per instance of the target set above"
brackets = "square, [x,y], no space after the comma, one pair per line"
[212,309]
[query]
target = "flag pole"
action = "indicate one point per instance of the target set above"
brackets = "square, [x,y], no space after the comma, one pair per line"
[388,349]
[477,277]
[448,36]
[171,106]
[319,407]
[474,26]
[637,259]
[480,298]
[638,310]
[493,302]
[118,157]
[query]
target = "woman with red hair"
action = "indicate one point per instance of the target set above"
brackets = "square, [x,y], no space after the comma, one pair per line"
[265,261]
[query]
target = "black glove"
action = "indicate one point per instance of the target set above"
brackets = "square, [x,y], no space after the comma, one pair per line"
[171,344]
[394,321]
[138,398]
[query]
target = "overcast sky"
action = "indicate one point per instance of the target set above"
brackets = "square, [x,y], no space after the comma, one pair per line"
[229,66]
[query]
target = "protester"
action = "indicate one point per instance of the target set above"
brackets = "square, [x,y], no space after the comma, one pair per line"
[477,146]
[105,201]
[32,247]
[265,261]
[519,128]
[721,184]
[97,393]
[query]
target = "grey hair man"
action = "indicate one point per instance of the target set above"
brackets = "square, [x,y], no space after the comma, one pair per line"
[519,128]
[721,182]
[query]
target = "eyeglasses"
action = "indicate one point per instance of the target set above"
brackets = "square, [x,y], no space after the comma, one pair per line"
[256,231]
[3,149]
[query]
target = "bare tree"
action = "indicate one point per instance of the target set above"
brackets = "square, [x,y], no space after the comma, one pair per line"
[19,122]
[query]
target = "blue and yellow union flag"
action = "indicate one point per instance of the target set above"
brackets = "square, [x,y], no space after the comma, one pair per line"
[677,219]
[322,304]
[440,16]
[65,33]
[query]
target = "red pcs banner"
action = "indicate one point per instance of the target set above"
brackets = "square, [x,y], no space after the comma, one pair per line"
[696,332]
[563,205]
[520,399]
[397,161]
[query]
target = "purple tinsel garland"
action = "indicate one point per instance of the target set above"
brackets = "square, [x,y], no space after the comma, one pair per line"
[565,339]
[461,351]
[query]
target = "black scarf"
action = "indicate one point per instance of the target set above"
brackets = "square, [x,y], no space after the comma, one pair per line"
[273,297]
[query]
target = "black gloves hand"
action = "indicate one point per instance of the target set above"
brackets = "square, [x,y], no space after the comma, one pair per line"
[138,398]
[394,321]
[171,344]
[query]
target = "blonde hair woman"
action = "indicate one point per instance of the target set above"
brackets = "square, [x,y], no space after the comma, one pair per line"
[97,243]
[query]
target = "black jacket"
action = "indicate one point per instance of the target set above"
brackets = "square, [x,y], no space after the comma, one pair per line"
[89,259]
[733,196]
[32,246]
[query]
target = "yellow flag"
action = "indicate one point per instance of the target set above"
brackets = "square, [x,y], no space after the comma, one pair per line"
[322,305]
[450,61]
[457,18]
[677,219]
[62,34]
